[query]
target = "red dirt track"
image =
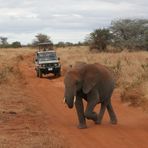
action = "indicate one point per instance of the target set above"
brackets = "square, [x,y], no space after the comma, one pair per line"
[130,132]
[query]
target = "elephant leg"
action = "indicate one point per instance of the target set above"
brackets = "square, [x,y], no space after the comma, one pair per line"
[113,118]
[89,113]
[80,112]
[101,113]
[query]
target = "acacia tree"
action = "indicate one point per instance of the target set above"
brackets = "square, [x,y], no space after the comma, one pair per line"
[16,44]
[3,41]
[99,39]
[60,44]
[41,38]
[130,33]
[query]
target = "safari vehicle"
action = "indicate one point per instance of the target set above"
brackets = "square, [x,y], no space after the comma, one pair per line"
[46,60]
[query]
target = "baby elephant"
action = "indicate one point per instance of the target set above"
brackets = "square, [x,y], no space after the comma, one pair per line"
[93,83]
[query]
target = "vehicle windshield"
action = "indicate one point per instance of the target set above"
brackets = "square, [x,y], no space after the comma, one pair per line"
[46,56]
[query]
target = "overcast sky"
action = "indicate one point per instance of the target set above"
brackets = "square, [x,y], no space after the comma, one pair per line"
[63,20]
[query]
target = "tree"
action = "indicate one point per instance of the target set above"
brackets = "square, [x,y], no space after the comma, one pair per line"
[60,44]
[3,41]
[99,39]
[129,33]
[41,38]
[16,44]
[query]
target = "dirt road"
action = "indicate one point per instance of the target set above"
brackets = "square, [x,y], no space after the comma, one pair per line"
[130,132]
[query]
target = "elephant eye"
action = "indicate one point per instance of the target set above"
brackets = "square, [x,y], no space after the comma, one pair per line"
[77,82]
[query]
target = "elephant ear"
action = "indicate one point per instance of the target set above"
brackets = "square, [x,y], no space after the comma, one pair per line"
[89,81]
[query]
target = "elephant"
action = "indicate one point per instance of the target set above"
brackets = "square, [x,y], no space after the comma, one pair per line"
[95,84]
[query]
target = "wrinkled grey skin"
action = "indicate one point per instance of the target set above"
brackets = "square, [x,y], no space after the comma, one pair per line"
[93,83]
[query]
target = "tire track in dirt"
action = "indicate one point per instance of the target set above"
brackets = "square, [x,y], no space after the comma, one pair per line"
[131,131]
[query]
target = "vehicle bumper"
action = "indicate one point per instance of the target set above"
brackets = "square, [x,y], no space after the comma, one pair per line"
[50,70]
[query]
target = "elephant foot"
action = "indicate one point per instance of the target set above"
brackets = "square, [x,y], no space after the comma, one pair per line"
[98,121]
[114,121]
[82,126]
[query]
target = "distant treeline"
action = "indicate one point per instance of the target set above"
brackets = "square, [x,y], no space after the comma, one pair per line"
[130,34]
[4,43]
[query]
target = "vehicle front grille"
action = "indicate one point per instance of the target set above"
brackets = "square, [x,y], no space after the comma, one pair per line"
[50,65]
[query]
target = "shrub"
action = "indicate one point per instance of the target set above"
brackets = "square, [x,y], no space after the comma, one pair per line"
[99,39]
[16,44]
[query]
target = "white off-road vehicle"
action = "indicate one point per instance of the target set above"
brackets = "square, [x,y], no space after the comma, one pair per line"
[46,61]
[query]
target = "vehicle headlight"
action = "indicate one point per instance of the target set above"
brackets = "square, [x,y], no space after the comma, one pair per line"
[56,64]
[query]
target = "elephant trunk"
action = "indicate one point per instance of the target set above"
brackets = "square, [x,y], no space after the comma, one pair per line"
[70,97]
[69,103]
[64,100]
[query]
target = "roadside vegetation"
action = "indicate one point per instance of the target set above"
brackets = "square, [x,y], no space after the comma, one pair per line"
[130,34]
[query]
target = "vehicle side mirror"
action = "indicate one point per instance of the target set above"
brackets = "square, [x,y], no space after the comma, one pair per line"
[58,58]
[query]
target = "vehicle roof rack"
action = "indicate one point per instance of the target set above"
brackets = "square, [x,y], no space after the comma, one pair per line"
[45,46]
[45,43]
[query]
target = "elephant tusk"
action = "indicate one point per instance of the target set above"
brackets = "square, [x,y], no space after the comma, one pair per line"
[74,101]
[64,100]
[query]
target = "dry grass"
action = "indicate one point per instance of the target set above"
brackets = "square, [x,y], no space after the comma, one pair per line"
[130,69]
[9,64]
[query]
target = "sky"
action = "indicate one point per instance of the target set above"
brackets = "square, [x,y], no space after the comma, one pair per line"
[63,20]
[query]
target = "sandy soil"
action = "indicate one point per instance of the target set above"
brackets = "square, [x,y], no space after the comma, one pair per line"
[51,115]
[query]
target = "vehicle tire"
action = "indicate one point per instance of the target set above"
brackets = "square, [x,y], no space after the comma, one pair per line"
[40,73]
[55,74]
[58,74]
[37,73]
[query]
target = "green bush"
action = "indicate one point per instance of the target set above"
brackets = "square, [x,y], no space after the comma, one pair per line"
[16,44]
